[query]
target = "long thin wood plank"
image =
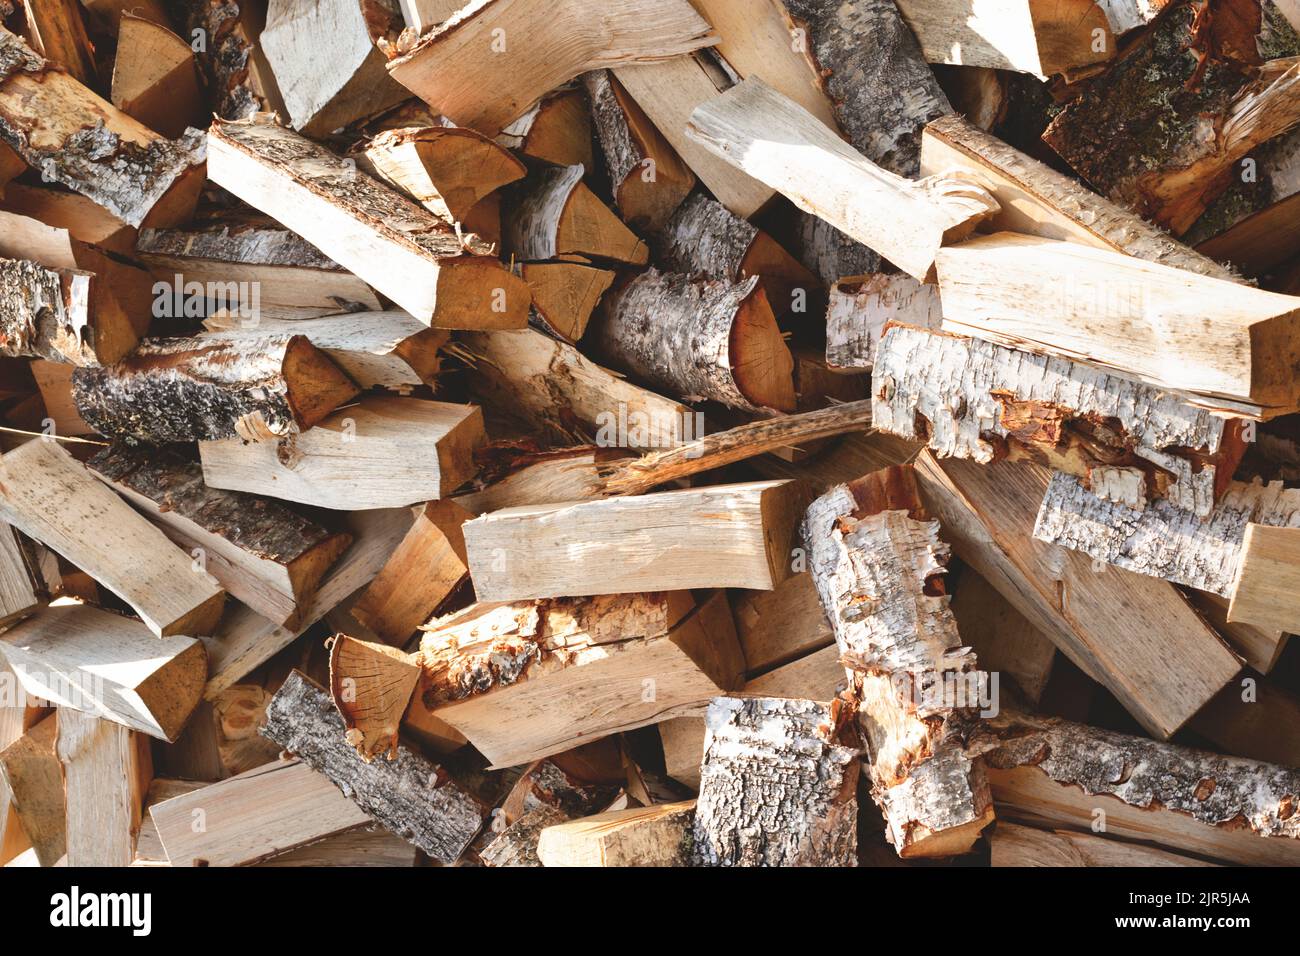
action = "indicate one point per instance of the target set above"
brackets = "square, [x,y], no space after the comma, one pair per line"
[106,771]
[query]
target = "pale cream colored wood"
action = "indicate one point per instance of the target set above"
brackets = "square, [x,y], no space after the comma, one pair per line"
[1013,845]
[1266,592]
[106,769]
[639,836]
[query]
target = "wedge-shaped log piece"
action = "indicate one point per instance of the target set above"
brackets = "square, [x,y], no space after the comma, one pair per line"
[374,349]
[266,555]
[106,772]
[1013,845]
[556,129]
[156,78]
[201,389]
[409,795]
[524,681]
[1201,84]
[725,536]
[371,685]
[905,221]
[1039,201]
[707,339]
[446,169]
[565,294]
[470,70]
[250,267]
[555,214]
[1143,319]
[569,398]
[1264,592]
[416,259]
[74,137]
[660,835]
[1037,38]
[778,784]
[1190,801]
[862,53]
[240,82]
[255,816]
[58,33]
[46,313]
[50,496]
[110,666]
[1161,540]
[19,595]
[1163,666]
[537,478]
[876,560]
[860,308]
[380,453]
[326,64]
[30,768]
[648,178]
[968,398]
[422,573]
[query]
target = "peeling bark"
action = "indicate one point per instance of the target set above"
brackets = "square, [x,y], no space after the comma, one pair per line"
[861,307]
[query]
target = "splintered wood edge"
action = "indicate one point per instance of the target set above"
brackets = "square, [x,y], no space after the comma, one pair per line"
[371,686]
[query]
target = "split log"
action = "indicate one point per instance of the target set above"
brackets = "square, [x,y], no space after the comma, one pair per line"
[1164,666]
[471,70]
[374,349]
[75,138]
[905,221]
[56,31]
[201,389]
[1253,719]
[1004,640]
[1026,37]
[556,130]
[862,55]
[1222,808]
[420,15]
[968,398]
[1196,79]
[1263,592]
[30,768]
[668,92]
[327,67]
[876,560]
[556,215]
[50,496]
[411,256]
[106,15]
[1012,845]
[410,796]
[1037,200]
[264,554]
[446,169]
[516,845]
[84,219]
[567,398]
[648,178]
[527,680]
[829,253]
[565,294]
[639,836]
[100,663]
[371,685]
[426,569]
[247,640]
[106,772]
[1163,541]
[379,453]
[46,314]
[19,595]
[254,816]
[861,307]
[781,625]
[1259,647]
[251,268]
[240,81]
[156,78]
[705,240]
[723,536]
[778,785]
[565,474]
[640,475]
[1137,317]
[702,340]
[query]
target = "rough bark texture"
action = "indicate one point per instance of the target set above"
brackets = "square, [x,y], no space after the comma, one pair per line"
[870,65]
[1161,540]
[877,574]
[226,57]
[966,397]
[516,845]
[534,224]
[44,313]
[704,239]
[181,389]
[829,253]
[126,178]
[677,335]
[860,307]
[248,243]
[776,786]
[410,795]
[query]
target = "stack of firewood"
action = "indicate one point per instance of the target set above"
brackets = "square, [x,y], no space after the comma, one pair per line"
[636,432]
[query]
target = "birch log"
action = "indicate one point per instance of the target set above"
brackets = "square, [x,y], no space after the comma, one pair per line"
[905,221]
[967,398]
[658,836]
[555,214]
[710,339]
[859,308]
[240,81]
